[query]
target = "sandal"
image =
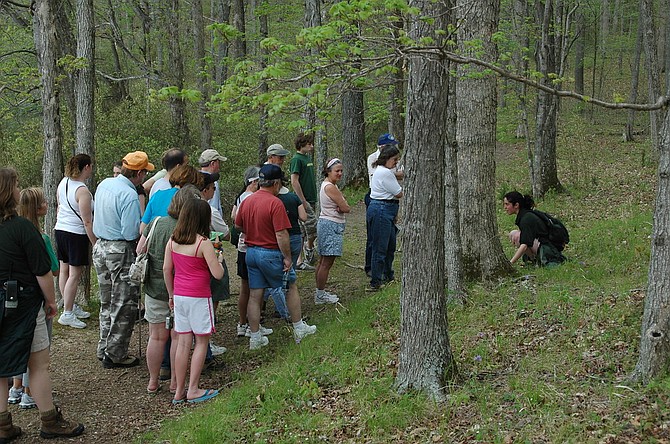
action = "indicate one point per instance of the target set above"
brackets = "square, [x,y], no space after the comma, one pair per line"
[209,394]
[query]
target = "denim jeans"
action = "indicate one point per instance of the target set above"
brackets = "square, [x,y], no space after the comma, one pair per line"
[368,236]
[278,295]
[380,218]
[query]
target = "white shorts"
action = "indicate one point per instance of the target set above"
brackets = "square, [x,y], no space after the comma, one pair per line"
[193,315]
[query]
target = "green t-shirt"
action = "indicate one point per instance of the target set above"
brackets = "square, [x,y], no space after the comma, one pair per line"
[50,250]
[303,166]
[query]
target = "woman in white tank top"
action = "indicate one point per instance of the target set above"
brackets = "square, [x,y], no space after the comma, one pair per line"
[74,234]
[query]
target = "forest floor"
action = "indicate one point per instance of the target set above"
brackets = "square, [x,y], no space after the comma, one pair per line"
[113,403]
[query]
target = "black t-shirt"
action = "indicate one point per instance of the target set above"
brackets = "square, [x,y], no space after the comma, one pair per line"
[22,252]
[531,227]
[291,201]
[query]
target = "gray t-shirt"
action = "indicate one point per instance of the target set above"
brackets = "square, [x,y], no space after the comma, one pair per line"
[155,284]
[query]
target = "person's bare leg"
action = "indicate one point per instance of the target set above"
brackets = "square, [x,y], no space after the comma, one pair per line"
[243,301]
[40,380]
[181,362]
[323,270]
[254,308]
[293,303]
[158,336]
[69,290]
[197,362]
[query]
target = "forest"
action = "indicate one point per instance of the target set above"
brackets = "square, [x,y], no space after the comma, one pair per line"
[110,76]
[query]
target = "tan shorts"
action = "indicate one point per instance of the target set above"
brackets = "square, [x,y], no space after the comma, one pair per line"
[155,310]
[41,336]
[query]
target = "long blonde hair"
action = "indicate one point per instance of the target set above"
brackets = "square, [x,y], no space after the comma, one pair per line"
[30,202]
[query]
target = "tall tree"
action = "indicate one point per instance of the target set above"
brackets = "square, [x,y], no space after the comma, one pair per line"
[353,136]
[202,77]
[238,49]
[483,256]
[651,62]
[629,131]
[45,44]
[425,359]
[175,76]
[312,20]
[85,80]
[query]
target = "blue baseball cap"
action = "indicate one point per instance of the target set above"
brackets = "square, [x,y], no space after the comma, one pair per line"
[386,139]
[270,171]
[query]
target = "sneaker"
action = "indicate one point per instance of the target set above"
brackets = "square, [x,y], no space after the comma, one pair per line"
[128,361]
[324,297]
[15,395]
[71,320]
[372,288]
[242,330]
[217,349]
[303,330]
[309,255]
[27,402]
[264,331]
[256,343]
[79,312]
[304,267]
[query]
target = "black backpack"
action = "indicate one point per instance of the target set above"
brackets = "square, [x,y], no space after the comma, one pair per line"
[558,234]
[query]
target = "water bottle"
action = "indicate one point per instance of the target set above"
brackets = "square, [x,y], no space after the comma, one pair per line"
[285,282]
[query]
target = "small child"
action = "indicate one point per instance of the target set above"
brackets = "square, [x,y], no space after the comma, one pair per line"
[189,260]
[32,206]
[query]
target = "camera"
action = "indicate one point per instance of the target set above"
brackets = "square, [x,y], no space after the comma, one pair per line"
[11,295]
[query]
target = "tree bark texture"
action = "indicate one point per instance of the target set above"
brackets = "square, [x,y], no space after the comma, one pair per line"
[45,45]
[65,45]
[263,130]
[654,359]
[651,62]
[483,256]
[176,76]
[425,359]
[397,91]
[85,91]
[580,37]
[629,131]
[544,171]
[353,139]
[201,74]
[238,48]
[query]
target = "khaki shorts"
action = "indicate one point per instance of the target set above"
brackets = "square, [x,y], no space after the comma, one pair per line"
[155,310]
[41,336]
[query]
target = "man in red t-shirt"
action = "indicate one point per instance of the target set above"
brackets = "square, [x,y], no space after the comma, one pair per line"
[263,219]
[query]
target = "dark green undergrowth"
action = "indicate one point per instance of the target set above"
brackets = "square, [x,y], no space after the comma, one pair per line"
[542,355]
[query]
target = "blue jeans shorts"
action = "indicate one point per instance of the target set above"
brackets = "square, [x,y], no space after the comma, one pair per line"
[266,268]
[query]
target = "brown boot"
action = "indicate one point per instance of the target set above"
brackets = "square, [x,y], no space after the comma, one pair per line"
[55,426]
[8,431]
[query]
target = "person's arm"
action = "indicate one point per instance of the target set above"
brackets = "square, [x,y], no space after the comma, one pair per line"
[519,252]
[302,214]
[218,224]
[284,241]
[46,283]
[297,189]
[168,274]
[336,195]
[84,199]
[213,260]
[399,195]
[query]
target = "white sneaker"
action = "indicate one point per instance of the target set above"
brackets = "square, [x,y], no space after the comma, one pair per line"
[217,349]
[15,395]
[79,312]
[255,344]
[303,330]
[27,402]
[242,330]
[323,297]
[264,331]
[71,320]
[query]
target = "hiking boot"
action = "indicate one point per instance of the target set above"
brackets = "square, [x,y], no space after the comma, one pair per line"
[323,297]
[217,349]
[55,426]
[27,402]
[15,395]
[8,431]
[257,343]
[71,320]
[128,361]
[372,288]
[304,267]
[264,331]
[242,330]
[303,330]
[80,312]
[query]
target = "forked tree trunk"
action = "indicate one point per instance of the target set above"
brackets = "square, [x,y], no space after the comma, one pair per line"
[45,46]
[425,359]
[654,359]
[483,256]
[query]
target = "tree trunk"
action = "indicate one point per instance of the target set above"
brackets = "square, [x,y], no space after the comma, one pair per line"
[353,139]
[221,14]
[580,30]
[176,77]
[653,83]
[238,48]
[425,359]
[483,256]
[201,74]
[654,356]
[45,45]
[65,46]
[629,131]
[313,19]
[262,54]
[544,172]
[397,90]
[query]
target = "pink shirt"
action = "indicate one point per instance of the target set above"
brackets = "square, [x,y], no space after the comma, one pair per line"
[191,275]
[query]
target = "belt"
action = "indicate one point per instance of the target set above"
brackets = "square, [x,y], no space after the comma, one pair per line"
[394,201]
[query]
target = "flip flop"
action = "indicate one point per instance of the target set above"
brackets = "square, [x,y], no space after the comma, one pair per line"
[178,401]
[209,394]
[154,391]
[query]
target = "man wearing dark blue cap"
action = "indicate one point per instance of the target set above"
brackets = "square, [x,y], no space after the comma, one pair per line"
[263,220]
[383,140]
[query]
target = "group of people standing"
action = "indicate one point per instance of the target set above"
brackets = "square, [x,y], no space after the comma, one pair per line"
[175,217]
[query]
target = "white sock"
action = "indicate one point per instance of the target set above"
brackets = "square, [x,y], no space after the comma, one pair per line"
[298,324]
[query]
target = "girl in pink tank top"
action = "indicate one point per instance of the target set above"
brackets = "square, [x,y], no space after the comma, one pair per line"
[190,259]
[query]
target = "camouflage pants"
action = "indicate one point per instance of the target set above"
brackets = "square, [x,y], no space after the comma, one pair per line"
[118,297]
